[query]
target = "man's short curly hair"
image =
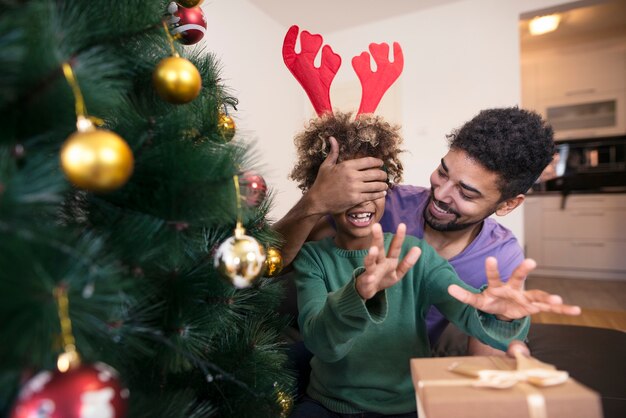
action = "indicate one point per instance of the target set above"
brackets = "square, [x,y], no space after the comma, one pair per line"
[367,136]
[514,143]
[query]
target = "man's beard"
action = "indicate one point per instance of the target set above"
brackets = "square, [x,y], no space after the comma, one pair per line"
[450,226]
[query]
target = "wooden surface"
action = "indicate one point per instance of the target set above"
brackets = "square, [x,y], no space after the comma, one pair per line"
[603,302]
[589,318]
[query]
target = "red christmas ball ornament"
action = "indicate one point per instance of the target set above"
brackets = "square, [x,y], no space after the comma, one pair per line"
[87,391]
[253,188]
[187,25]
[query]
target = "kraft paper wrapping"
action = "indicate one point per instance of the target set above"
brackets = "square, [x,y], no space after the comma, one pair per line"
[499,387]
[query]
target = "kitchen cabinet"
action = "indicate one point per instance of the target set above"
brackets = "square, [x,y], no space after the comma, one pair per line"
[578,236]
[582,74]
[586,116]
[581,91]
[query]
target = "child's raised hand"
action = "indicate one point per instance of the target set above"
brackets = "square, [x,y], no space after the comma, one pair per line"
[509,300]
[383,271]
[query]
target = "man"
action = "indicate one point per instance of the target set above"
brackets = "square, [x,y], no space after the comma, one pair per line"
[492,161]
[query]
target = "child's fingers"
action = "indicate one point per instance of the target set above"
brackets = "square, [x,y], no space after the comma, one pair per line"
[463,295]
[550,303]
[519,274]
[396,243]
[492,272]
[378,241]
[370,259]
[562,309]
[408,261]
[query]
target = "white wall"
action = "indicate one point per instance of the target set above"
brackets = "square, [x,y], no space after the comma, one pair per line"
[459,58]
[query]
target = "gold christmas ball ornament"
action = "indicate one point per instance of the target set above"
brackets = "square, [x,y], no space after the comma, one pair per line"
[97,160]
[273,262]
[240,259]
[177,80]
[189,3]
[226,126]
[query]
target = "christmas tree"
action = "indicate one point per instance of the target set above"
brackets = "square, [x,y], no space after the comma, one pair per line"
[120,189]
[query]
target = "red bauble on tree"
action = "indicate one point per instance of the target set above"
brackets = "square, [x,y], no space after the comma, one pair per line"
[187,25]
[253,188]
[86,391]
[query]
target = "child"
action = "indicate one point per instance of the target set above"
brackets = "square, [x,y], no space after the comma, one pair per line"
[363,295]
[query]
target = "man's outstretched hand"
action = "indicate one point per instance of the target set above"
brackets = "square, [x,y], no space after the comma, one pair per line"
[509,300]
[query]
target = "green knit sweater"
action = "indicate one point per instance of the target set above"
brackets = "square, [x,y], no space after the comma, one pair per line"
[362,348]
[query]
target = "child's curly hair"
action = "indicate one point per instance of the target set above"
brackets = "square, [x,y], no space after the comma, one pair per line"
[367,136]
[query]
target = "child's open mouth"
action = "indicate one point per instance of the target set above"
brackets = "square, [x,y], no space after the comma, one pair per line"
[360,219]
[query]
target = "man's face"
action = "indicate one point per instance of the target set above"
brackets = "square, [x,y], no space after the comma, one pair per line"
[354,226]
[463,193]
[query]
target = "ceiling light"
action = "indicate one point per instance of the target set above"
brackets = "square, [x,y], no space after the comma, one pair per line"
[544,24]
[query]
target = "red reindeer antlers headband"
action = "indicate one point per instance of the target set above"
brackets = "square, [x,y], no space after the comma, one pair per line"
[316,81]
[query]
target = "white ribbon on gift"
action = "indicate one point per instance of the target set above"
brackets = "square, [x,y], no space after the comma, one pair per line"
[504,379]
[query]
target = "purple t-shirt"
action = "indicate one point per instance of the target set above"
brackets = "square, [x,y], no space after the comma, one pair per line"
[407,203]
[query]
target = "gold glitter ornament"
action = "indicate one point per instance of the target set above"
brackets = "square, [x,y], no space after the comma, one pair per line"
[273,262]
[286,403]
[240,259]
[177,80]
[226,126]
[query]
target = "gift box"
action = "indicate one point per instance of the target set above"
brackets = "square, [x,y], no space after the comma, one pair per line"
[497,387]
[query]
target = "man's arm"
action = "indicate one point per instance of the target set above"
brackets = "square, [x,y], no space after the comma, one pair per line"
[300,223]
[337,188]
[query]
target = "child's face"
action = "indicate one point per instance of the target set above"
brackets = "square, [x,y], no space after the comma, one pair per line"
[354,226]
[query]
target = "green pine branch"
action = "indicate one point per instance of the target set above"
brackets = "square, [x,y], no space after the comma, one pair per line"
[137,262]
